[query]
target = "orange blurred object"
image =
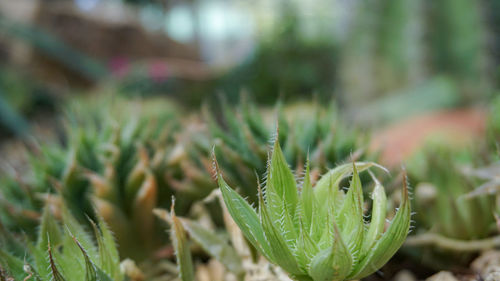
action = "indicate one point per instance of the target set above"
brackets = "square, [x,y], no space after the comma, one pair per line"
[399,141]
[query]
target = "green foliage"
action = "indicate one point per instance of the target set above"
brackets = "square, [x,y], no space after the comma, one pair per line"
[242,138]
[318,234]
[108,162]
[65,252]
[182,252]
[493,128]
[441,202]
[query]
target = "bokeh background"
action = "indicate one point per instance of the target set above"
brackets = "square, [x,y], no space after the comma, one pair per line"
[380,58]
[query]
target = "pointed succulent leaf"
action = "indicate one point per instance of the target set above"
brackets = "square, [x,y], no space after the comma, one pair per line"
[332,179]
[144,202]
[49,229]
[40,260]
[74,228]
[246,218]
[281,250]
[92,272]
[377,223]
[13,265]
[307,199]
[333,263]
[389,243]
[281,193]
[254,121]
[182,252]
[56,274]
[108,259]
[305,249]
[49,233]
[110,248]
[70,261]
[350,216]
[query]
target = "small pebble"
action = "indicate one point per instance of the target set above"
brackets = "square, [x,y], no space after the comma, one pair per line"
[442,276]
[405,275]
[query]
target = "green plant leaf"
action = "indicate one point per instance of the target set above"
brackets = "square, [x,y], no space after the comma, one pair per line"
[282,253]
[389,243]
[333,263]
[92,272]
[281,185]
[379,209]
[246,218]
[350,216]
[331,180]
[49,234]
[307,199]
[56,274]
[14,265]
[77,230]
[182,252]
[306,249]
[215,246]
[108,258]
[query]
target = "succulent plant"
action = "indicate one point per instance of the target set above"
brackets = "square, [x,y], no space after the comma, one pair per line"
[319,233]
[242,136]
[118,169]
[61,253]
[451,224]
[441,200]
[493,128]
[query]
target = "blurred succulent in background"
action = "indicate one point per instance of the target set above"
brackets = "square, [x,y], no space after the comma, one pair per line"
[116,166]
[448,218]
[493,128]
[65,252]
[440,196]
[489,173]
[319,234]
[241,136]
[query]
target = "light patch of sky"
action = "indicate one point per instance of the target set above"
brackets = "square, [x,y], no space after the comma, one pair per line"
[152,17]
[179,24]
[86,5]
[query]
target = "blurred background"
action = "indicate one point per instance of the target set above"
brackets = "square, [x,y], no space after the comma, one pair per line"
[381,61]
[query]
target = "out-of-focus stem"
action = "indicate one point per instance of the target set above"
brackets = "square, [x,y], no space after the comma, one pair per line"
[453,244]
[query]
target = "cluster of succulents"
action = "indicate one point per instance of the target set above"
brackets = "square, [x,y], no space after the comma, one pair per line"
[310,233]
[441,201]
[121,167]
[241,138]
[121,170]
[114,170]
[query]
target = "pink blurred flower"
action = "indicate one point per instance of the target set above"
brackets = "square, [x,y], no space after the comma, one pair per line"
[119,66]
[158,71]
